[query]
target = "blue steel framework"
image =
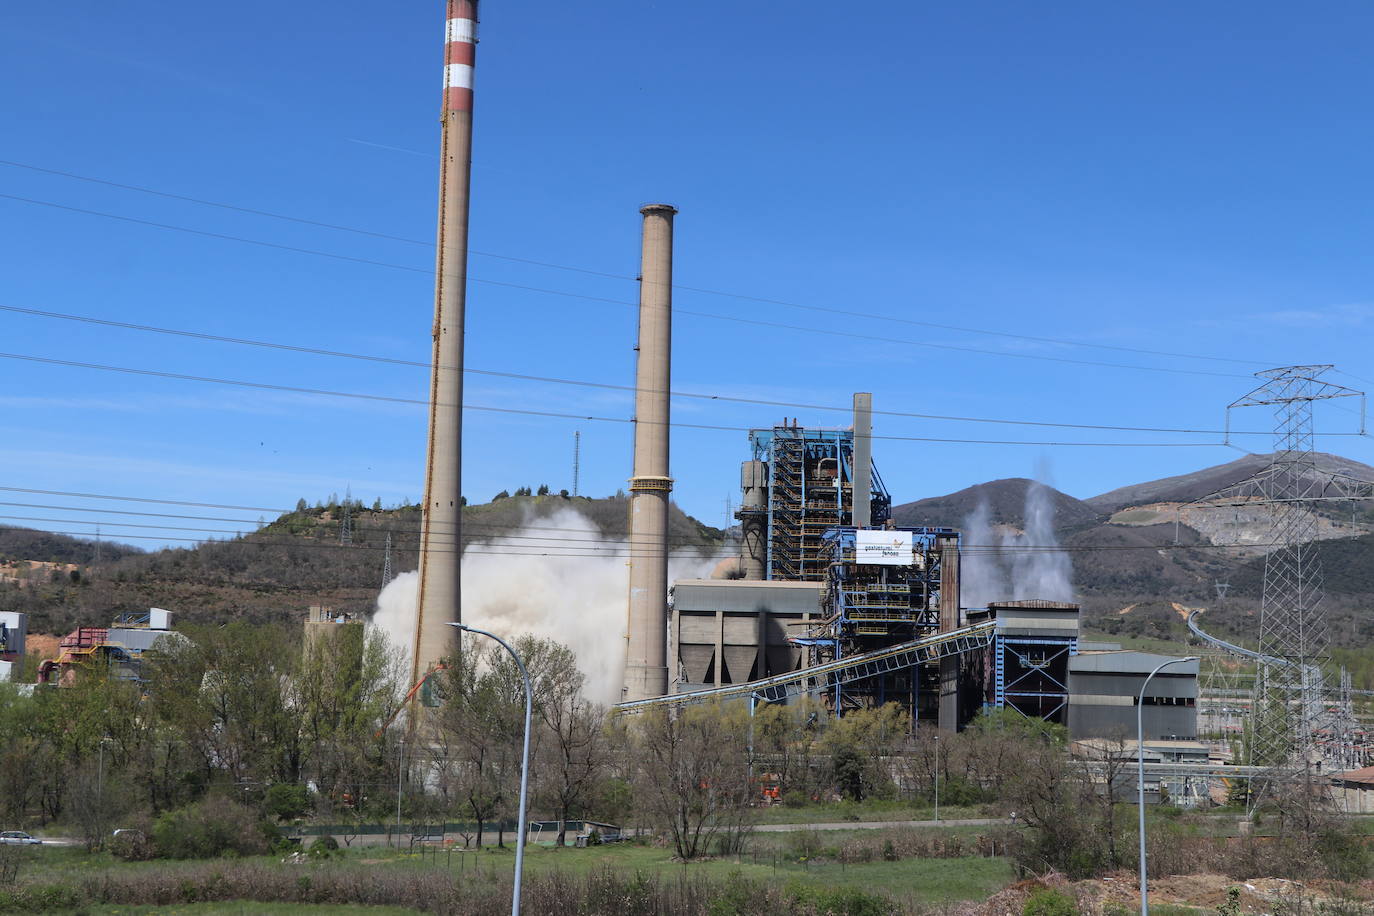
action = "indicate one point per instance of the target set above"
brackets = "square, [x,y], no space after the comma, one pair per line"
[869,606]
[1027,672]
[810,491]
[1031,675]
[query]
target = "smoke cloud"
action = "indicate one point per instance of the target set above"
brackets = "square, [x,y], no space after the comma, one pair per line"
[579,601]
[1009,567]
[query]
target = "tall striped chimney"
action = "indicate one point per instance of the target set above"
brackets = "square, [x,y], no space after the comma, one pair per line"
[441,533]
[646,665]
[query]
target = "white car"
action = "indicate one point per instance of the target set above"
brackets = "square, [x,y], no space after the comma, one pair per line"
[18,838]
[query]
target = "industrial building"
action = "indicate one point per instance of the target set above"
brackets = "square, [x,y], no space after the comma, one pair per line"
[13,632]
[729,631]
[1105,689]
[118,647]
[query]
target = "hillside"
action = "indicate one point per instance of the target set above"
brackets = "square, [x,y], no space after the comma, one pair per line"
[1184,488]
[297,561]
[1126,550]
[1006,502]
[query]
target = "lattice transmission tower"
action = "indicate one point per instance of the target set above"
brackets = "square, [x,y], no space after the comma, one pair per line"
[387,572]
[1290,720]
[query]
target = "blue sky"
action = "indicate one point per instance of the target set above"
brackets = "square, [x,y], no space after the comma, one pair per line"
[1183,178]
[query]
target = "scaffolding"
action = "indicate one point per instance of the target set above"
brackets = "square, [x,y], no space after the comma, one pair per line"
[810,480]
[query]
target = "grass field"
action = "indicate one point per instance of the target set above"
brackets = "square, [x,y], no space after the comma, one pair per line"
[773,859]
[925,881]
[250,908]
[866,812]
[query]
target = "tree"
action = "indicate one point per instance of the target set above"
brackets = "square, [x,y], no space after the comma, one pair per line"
[225,691]
[468,727]
[543,490]
[859,742]
[692,777]
[347,687]
[574,752]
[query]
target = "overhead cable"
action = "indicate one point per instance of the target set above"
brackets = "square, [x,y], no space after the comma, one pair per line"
[428,243]
[267,386]
[679,311]
[342,354]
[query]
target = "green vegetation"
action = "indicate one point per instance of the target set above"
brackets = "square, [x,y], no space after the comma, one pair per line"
[251,908]
[1047,901]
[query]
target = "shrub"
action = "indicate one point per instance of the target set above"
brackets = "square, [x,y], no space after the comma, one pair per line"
[324,847]
[841,901]
[210,828]
[131,846]
[1047,901]
[286,801]
[40,898]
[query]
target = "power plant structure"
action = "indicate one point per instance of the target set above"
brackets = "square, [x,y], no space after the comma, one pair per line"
[646,644]
[441,542]
[837,603]
[14,627]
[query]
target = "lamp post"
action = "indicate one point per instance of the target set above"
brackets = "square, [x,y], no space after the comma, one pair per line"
[937,777]
[1140,774]
[524,761]
[400,769]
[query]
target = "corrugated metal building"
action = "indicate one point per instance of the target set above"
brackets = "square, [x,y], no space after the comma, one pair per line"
[1104,688]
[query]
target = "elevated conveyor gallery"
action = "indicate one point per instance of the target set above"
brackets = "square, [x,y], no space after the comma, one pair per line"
[821,677]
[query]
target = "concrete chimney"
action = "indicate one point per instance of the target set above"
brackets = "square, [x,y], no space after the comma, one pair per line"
[646,668]
[862,460]
[441,529]
[948,545]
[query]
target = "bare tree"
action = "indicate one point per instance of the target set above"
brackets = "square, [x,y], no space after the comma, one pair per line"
[692,776]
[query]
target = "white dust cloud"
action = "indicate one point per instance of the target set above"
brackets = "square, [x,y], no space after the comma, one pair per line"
[579,601]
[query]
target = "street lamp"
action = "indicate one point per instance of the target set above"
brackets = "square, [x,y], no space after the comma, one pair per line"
[524,761]
[400,769]
[1140,765]
[937,777]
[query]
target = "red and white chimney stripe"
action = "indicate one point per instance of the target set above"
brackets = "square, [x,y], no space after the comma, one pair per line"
[459,52]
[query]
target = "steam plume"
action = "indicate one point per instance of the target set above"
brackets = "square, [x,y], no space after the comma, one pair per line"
[1017,570]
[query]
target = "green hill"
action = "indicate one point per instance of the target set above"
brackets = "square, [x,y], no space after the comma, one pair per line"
[296,561]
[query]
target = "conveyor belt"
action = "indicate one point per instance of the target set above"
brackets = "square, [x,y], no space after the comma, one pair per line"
[818,677]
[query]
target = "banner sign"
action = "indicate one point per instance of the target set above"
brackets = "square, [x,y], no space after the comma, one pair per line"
[884,548]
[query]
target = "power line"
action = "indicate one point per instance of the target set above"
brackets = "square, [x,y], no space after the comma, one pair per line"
[267,386]
[680,311]
[316,351]
[481,548]
[428,243]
